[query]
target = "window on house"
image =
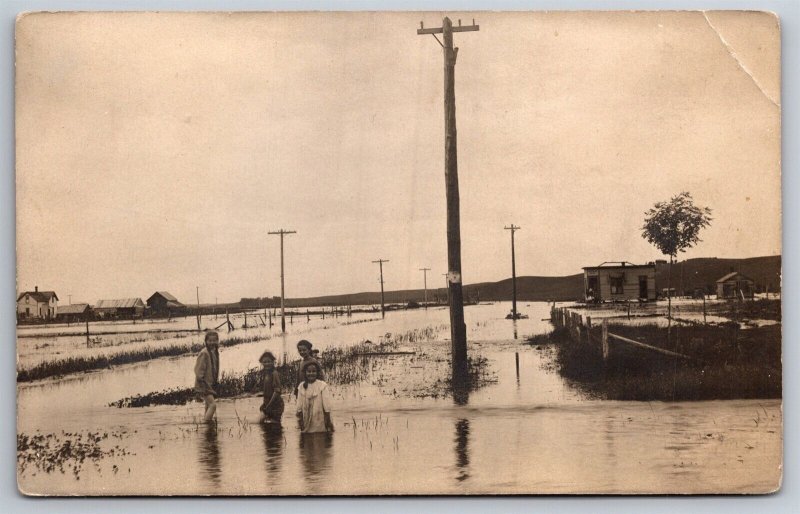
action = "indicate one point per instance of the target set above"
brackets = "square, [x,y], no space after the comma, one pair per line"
[617,283]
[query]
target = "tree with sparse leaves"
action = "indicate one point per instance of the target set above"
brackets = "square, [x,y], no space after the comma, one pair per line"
[674,226]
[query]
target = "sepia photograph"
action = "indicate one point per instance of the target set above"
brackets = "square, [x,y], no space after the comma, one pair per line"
[398,253]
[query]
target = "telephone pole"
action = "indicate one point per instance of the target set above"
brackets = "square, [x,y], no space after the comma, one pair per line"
[425,282]
[458,329]
[197,290]
[513,229]
[380,262]
[282,233]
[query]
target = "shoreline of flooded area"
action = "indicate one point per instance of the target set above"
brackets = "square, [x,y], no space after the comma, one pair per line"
[527,431]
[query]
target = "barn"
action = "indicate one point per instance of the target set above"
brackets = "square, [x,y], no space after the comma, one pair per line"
[619,281]
[162,303]
[735,285]
[122,308]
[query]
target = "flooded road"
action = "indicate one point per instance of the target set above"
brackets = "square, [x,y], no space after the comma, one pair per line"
[528,431]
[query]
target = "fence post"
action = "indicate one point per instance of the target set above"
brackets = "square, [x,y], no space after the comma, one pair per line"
[228,319]
[589,330]
[605,339]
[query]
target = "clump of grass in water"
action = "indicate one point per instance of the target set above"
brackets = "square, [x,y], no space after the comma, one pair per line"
[340,365]
[72,365]
[51,453]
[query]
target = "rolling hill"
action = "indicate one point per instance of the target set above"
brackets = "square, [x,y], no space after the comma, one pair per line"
[686,276]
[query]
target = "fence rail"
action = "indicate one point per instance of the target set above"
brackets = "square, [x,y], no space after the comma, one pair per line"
[580,331]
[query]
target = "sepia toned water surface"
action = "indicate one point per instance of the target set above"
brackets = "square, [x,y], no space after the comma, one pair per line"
[526,432]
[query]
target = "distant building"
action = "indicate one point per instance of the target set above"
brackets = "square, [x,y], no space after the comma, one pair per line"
[125,307]
[619,281]
[161,303]
[735,285]
[37,304]
[74,312]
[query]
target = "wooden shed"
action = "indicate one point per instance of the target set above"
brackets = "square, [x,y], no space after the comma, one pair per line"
[619,281]
[74,312]
[122,308]
[735,285]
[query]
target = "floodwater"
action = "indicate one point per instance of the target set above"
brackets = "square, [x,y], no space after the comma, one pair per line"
[528,431]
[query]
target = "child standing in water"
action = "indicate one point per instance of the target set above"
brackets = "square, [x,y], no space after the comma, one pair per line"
[306,351]
[314,402]
[206,371]
[272,407]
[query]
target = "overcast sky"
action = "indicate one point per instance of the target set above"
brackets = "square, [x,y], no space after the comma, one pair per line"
[155,151]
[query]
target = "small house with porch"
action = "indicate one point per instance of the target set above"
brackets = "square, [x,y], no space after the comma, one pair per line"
[735,285]
[162,303]
[619,281]
[37,304]
[122,308]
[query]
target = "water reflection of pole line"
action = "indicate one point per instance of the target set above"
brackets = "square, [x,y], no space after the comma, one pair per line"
[462,449]
[516,363]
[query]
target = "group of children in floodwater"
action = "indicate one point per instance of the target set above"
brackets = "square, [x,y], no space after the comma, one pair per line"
[312,393]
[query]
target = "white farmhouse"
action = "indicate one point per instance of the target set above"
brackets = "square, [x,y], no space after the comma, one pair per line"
[37,304]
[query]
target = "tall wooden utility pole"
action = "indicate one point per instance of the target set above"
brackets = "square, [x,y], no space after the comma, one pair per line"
[425,283]
[282,233]
[513,229]
[458,329]
[380,262]
[197,290]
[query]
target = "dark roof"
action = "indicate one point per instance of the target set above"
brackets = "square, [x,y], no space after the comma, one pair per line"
[39,296]
[731,275]
[75,308]
[619,265]
[165,295]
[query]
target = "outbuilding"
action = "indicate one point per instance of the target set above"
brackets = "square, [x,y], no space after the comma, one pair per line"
[735,285]
[74,312]
[162,303]
[122,308]
[619,281]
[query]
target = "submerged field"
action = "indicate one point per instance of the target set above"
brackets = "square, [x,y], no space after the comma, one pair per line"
[738,358]
[398,428]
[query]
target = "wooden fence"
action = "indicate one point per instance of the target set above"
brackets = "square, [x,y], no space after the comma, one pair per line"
[580,327]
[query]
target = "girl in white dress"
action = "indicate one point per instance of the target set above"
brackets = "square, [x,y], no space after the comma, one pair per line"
[314,402]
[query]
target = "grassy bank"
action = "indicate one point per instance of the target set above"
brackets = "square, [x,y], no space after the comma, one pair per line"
[61,367]
[349,365]
[726,363]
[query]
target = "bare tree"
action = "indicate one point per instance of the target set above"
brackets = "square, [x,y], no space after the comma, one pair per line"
[672,227]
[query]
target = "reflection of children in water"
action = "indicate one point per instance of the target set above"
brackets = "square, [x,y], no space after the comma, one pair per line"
[272,406]
[209,455]
[315,452]
[314,402]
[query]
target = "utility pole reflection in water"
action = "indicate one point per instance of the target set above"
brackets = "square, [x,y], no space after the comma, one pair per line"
[462,449]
